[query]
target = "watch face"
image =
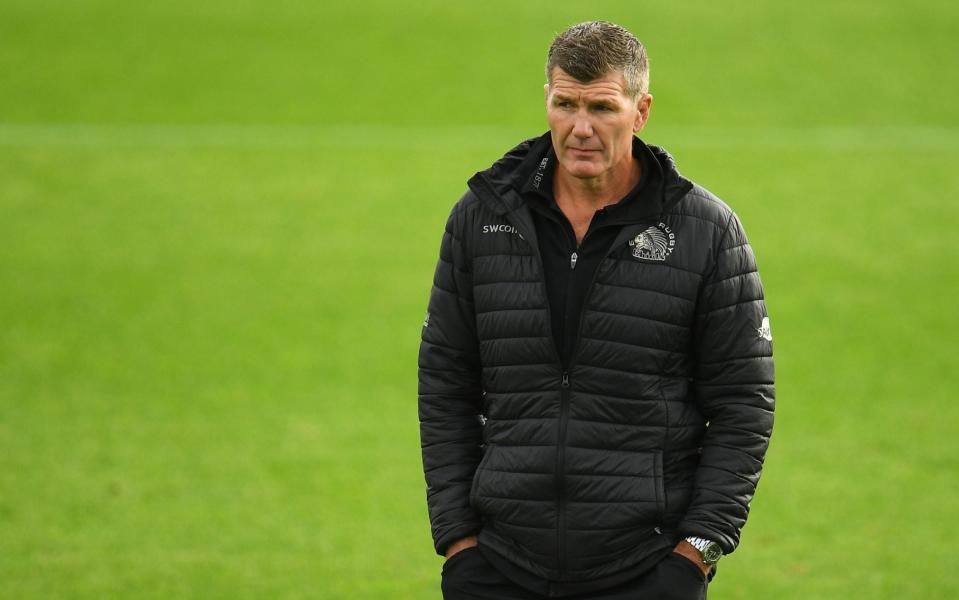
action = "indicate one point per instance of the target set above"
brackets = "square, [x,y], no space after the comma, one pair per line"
[712,553]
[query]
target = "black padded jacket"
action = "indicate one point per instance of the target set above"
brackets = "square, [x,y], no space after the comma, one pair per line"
[658,427]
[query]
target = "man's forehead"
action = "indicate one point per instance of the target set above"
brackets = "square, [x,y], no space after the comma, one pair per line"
[610,84]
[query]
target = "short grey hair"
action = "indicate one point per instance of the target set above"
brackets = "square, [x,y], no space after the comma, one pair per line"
[593,49]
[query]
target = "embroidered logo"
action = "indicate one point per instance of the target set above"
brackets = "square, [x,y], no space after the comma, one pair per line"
[426,321]
[764,331]
[656,243]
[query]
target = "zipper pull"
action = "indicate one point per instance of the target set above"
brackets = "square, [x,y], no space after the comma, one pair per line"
[572,260]
[565,379]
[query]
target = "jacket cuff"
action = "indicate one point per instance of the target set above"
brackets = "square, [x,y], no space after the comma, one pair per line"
[443,541]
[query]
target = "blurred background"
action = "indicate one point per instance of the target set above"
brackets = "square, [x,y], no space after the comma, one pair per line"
[218,228]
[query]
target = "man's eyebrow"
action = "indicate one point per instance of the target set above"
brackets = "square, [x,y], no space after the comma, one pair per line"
[604,99]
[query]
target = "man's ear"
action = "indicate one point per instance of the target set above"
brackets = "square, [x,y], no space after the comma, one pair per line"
[546,92]
[643,104]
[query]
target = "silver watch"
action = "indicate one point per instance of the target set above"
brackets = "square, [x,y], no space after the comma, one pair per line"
[708,549]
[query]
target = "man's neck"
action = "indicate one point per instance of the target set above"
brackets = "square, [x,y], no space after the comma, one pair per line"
[590,195]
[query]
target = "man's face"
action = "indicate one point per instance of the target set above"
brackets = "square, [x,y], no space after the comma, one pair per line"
[592,124]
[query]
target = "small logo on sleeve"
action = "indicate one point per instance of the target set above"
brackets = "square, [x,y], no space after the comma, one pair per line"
[656,243]
[426,320]
[764,331]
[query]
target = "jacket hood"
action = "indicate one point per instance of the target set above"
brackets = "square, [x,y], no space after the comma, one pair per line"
[495,186]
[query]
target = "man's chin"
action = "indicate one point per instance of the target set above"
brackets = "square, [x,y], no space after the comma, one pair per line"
[584,169]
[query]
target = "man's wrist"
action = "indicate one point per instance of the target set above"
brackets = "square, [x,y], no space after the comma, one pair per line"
[689,551]
[460,545]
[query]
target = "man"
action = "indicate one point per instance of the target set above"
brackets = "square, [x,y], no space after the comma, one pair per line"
[595,374]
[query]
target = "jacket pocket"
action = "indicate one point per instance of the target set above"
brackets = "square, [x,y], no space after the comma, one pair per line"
[478,475]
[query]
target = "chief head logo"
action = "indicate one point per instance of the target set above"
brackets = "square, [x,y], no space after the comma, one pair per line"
[655,243]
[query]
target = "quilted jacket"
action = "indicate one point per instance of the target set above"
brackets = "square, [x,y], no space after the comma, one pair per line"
[658,427]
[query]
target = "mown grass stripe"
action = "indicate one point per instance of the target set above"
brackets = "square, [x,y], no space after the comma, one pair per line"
[367,136]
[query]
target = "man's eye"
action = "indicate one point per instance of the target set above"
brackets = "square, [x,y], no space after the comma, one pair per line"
[564,104]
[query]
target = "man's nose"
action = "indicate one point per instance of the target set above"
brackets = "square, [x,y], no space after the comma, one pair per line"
[582,128]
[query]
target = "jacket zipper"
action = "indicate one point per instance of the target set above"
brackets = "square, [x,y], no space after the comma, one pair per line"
[560,468]
[564,414]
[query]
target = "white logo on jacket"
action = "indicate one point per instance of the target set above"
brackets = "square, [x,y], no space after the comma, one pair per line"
[502,228]
[655,243]
[764,331]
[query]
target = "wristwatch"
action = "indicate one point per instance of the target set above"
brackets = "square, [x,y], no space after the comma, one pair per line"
[708,549]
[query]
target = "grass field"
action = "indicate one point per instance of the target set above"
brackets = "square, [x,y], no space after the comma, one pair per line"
[219,222]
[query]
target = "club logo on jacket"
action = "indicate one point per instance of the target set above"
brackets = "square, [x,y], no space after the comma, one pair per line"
[656,243]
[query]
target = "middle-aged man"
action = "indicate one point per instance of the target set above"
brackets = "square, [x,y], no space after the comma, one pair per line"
[595,373]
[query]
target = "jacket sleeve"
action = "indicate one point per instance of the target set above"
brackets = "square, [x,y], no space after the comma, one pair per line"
[733,385]
[450,393]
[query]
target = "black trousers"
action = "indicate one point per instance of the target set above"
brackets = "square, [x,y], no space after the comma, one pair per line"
[469,576]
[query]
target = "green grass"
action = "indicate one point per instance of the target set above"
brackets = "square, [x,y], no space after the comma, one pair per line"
[219,223]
